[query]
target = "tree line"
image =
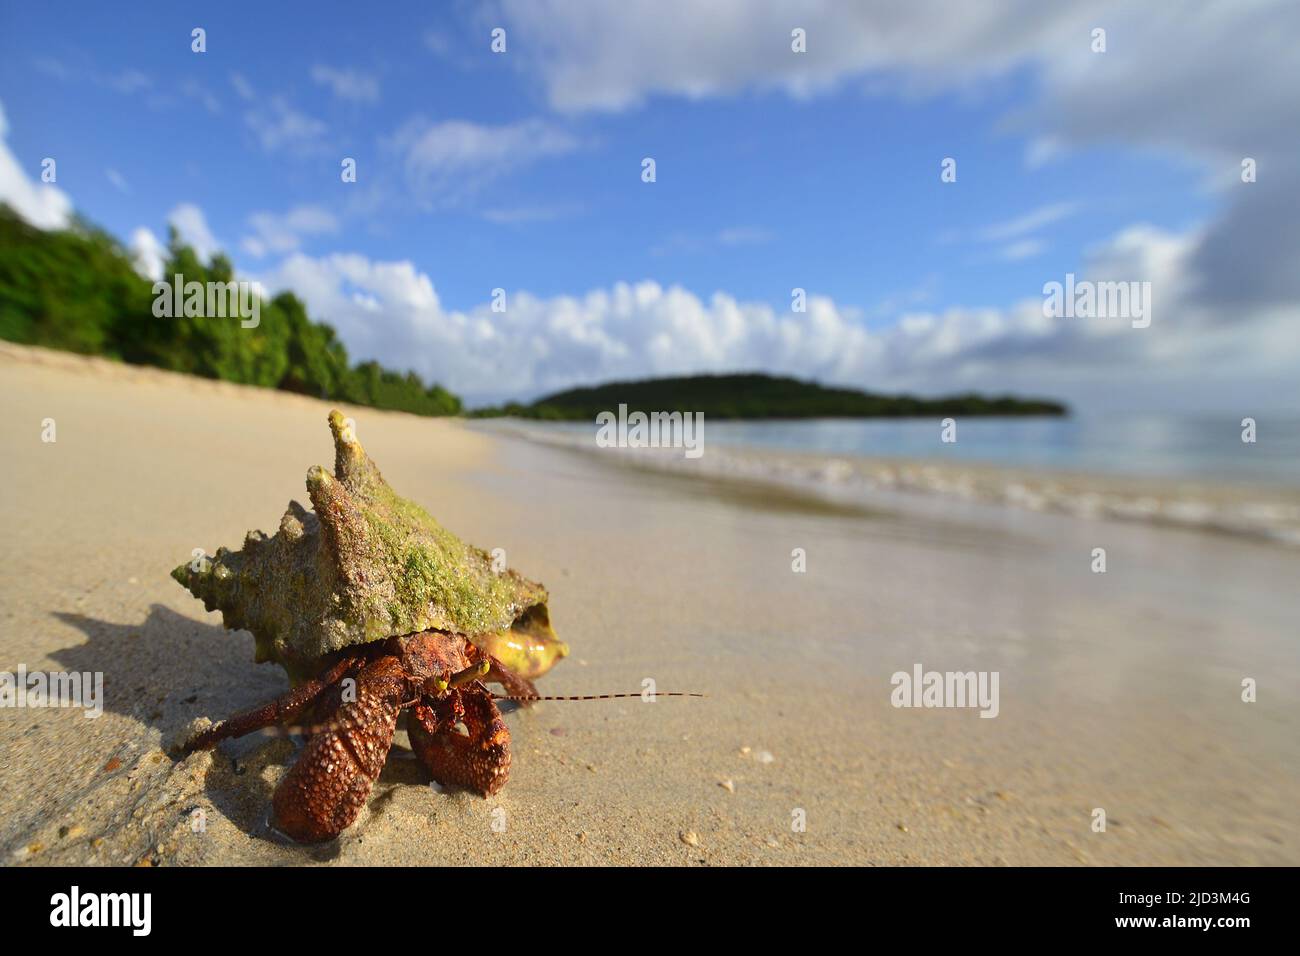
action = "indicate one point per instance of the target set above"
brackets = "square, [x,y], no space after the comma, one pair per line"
[77,289]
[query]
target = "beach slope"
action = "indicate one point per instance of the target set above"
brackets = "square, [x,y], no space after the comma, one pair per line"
[1119,691]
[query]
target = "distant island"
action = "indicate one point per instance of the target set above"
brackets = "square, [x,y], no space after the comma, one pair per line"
[753,395]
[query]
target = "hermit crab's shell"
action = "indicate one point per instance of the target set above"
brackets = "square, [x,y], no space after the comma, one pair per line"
[368,564]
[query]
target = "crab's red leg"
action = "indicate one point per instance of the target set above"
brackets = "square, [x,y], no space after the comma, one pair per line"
[277,711]
[326,789]
[478,760]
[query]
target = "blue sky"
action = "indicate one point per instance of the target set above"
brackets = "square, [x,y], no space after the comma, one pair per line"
[775,170]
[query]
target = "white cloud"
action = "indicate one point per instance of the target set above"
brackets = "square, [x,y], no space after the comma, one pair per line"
[1031,221]
[128,82]
[284,233]
[278,125]
[52,67]
[732,236]
[1167,78]
[744,236]
[118,180]
[597,55]
[1022,249]
[148,253]
[515,215]
[192,226]
[437,42]
[203,95]
[1210,87]
[242,86]
[1012,236]
[449,159]
[43,205]
[391,311]
[347,84]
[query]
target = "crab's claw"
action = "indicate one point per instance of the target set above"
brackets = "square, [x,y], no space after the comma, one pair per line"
[324,791]
[479,758]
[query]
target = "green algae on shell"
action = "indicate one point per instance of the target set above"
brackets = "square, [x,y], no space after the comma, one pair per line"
[366,565]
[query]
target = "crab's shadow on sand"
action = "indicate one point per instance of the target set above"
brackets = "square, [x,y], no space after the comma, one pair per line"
[170,669]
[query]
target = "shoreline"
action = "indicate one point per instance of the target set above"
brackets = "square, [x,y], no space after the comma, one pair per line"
[1255,511]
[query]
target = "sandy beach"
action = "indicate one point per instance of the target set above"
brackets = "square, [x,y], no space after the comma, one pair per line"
[1119,691]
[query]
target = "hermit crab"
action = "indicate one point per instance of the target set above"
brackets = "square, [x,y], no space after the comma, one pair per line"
[372,608]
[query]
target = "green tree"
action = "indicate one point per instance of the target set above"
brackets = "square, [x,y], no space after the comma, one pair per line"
[77,289]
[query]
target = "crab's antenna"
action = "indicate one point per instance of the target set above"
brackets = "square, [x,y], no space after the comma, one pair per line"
[531,697]
[291,729]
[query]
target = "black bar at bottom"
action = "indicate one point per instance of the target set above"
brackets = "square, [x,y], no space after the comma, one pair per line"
[336,905]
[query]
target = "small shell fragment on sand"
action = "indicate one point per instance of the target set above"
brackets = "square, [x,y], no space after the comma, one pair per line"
[727,785]
[689,838]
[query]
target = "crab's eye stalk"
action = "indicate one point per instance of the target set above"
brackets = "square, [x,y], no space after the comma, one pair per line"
[471,673]
[436,686]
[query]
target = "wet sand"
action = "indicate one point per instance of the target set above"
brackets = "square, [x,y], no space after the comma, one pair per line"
[1119,691]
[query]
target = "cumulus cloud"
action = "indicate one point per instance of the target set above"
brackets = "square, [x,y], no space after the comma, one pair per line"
[44,205]
[192,226]
[148,253]
[391,311]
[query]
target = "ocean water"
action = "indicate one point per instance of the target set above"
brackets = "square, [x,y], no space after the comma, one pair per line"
[1188,447]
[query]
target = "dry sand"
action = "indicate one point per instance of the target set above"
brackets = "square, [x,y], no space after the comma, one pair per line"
[1118,690]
